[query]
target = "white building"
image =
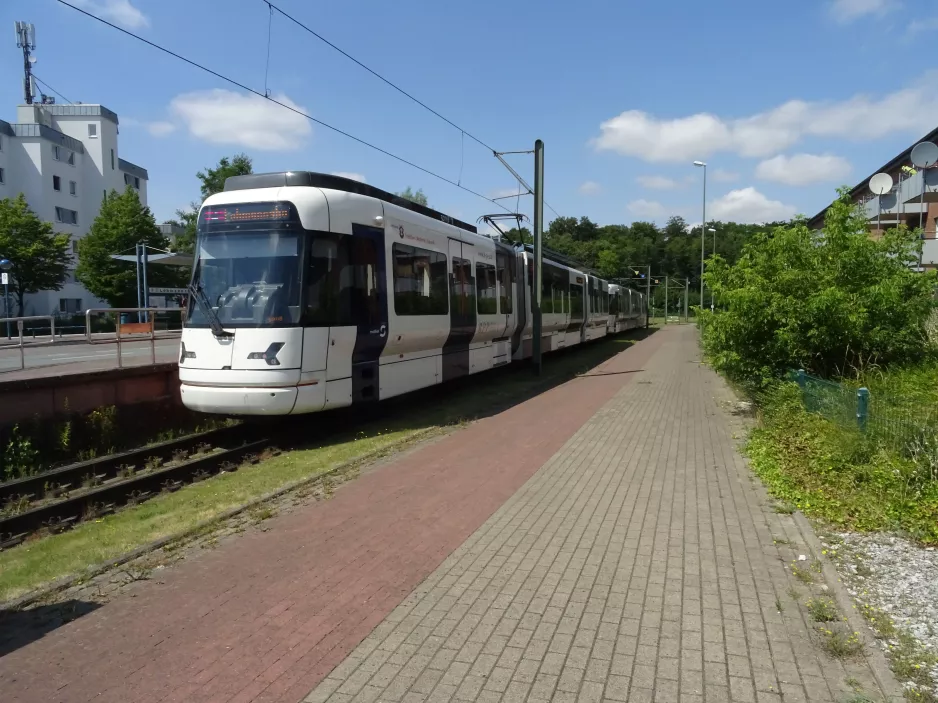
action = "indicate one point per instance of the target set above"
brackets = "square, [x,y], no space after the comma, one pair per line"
[64,158]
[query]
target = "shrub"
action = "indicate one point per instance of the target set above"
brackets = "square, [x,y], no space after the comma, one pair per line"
[832,302]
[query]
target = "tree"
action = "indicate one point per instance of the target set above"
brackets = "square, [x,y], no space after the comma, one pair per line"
[122,222]
[40,257]
[519,236]
[832,302]
[413,197]
[213,181]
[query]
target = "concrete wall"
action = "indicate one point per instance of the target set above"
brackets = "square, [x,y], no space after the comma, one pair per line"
[80,393]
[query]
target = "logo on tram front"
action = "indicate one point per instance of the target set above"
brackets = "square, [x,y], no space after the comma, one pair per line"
[400,230]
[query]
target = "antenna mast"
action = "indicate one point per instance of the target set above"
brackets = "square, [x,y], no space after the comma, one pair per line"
[26,40]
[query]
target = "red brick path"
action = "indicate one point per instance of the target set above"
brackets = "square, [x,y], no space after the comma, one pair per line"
[266,616]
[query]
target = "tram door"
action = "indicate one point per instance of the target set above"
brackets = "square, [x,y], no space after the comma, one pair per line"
[367,284]
[462,310]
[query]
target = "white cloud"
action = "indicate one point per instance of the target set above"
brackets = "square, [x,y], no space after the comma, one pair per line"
[721,175]
[747,205]
[350,175]
[917,27]
[658,182]
[160,129]
[507,192]
[590,188]
[860,118]
[121,12]
[803,169]
[226,117]
[647,208]
[848,10]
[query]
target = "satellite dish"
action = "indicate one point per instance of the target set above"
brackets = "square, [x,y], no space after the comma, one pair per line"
[925,154]
[881,183]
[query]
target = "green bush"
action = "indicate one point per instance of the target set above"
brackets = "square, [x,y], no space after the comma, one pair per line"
[833,303]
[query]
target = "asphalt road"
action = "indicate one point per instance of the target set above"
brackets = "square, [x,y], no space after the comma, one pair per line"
[72,358]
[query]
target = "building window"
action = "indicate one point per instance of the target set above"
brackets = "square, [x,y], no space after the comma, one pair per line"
[92,131]
[70,305]
[419,281]
[70,158]
[486,298]
[56,152]
[1,175]
[112,159]
[56,183]
[132,181]
[136,183]
[66,216]
[72,188]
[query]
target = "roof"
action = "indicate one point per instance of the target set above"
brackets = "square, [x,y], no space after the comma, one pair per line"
[6,128]
[79,110]
[132,169]
[323,180]
[31,129]
[896,162]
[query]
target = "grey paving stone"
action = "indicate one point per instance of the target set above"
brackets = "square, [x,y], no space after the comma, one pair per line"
[637,564]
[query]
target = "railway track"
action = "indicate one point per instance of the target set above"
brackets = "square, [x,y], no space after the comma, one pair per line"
[59,499]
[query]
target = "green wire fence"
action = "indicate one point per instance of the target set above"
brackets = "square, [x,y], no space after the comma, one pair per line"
[890,420]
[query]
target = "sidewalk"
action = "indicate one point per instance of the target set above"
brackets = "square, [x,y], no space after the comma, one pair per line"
[601,541]
[638,564]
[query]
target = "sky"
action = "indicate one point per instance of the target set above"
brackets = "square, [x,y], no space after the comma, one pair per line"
[784,101]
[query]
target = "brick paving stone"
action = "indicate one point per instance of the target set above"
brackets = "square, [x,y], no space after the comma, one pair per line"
[646,561]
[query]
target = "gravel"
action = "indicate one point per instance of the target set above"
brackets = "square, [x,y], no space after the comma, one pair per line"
[897,577]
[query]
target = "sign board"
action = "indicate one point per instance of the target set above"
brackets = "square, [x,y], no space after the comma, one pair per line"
[167,291]
[4,279]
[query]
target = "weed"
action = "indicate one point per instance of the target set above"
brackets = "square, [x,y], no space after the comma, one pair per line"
[856,697]
[781,540]
[180,455]
[203,448]
[102,424]
[784,508]
[863,570]
[16,505]
[153,464]
[137,574]
[778,604]
[264,512]
[90,480]
[20,459]
[65,435]
[822,609]
[840,644]
[793,593]
[853,683]
[803,575]
[126,471]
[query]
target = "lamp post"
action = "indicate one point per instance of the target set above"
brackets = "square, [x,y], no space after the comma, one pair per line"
[5,266]
[714,251]
[703,226]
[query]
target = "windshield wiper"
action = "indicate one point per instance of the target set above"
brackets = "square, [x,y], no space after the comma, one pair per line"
[199,296]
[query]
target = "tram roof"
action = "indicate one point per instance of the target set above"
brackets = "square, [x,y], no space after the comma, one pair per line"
[311,179]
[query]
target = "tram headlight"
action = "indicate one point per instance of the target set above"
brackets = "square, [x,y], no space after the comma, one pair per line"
[270,356]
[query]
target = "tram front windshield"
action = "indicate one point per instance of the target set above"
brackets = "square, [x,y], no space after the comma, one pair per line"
[248,265]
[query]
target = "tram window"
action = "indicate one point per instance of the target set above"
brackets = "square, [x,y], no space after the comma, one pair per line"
[505,281]
[419,281]
[547,300]
[486,292]
[576,302]
[463,288]
[342,286]
[614,305]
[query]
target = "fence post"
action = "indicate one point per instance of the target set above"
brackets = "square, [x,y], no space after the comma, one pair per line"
[799,377]
[863,408]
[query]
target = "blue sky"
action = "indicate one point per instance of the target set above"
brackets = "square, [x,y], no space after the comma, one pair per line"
[785,101]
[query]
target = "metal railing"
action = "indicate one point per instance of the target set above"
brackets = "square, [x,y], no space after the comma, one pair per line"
[19,330]
[150,332]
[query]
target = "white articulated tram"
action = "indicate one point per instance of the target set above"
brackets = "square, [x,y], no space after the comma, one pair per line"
[312,291]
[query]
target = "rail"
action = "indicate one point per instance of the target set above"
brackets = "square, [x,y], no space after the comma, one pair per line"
[19,330]
[148,328]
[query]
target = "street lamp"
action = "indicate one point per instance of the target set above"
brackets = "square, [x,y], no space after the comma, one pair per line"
[5,266]
[703,225]
[710,229]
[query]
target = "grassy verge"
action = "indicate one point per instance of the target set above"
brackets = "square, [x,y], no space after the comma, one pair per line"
[836,474]
[47,559]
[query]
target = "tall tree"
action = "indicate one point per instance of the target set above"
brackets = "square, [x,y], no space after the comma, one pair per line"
[122,222]
[414,197]
[213,181]
[40,257]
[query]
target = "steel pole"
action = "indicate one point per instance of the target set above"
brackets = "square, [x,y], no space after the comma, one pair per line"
[648,297]
[703,235]
[139,299]
[666,300]
[538,259]
[146,290]
[686,291]
[713,253]
[6,304]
